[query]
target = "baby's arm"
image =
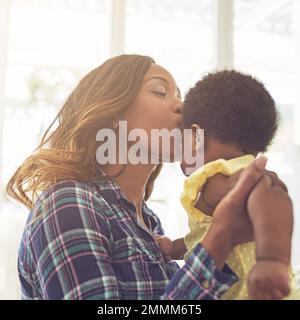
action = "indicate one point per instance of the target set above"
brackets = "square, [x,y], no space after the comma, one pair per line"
[171,249]
[271,212]
[213,192]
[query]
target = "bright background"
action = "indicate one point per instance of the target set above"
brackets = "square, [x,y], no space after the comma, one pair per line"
[46,46]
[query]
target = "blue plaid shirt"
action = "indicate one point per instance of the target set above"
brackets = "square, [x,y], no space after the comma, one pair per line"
[83,241]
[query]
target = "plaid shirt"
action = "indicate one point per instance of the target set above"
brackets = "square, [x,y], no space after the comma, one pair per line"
[88,244]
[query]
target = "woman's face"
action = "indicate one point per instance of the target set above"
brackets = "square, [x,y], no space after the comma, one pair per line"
[157,106]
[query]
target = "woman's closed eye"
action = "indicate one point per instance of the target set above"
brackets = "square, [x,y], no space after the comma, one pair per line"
[159,93]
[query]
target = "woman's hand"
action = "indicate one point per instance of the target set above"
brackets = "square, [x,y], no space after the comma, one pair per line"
[231,224]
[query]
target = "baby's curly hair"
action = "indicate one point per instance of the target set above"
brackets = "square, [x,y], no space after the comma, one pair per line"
[234,108]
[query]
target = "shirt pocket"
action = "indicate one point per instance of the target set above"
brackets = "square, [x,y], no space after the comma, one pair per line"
[140,271]
[134,249]
[140,279]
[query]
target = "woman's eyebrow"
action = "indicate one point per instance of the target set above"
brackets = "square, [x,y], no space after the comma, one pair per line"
[159,78]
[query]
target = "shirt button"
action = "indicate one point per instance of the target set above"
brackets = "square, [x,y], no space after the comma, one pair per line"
[205,284]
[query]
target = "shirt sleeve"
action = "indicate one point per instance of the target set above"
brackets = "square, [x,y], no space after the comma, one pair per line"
[71,247]
[200,279]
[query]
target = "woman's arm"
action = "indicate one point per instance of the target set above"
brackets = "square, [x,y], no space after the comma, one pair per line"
[199,279]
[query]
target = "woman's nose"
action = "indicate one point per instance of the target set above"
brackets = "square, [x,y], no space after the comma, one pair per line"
[177,107]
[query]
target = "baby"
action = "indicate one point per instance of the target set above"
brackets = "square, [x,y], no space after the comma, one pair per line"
[239,119]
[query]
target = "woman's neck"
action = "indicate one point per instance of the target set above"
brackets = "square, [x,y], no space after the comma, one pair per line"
[132,181]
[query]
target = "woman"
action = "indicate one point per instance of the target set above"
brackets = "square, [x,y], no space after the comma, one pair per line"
[90,234]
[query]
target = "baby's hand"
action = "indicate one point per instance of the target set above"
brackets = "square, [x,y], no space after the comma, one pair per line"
[166,246]
[269,280]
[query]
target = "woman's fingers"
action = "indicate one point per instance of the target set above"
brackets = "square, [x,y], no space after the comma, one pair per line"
[247,180]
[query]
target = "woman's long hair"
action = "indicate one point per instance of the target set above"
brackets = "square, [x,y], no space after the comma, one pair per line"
[69,152]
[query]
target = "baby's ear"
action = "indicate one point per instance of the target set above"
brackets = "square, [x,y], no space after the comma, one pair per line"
[197,138]
[193,155]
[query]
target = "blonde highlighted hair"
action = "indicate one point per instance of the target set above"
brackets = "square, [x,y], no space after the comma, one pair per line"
[69,152]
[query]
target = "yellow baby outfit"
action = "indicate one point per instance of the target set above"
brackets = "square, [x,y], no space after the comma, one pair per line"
[242,258]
